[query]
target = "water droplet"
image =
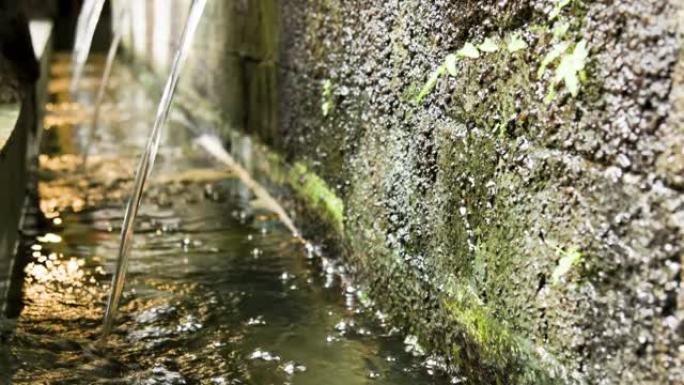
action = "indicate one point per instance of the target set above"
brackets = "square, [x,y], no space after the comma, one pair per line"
[291,367]
[49,238]
[256,321]
[259,354]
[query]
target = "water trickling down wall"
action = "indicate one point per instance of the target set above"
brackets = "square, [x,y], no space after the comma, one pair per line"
[516,203]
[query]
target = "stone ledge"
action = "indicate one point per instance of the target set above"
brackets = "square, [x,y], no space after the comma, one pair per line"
[9,115]
[20,128]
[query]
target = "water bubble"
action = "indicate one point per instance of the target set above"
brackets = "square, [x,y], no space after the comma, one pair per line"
[49,238]
[263,355]
[331,339]
[155,314]
[309,250]
[185,242]
[160,375]
[256,321]
[412,346]
[291,367]
[190,324]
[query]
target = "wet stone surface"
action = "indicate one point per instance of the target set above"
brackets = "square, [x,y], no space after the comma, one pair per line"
[218,291]
[462,209]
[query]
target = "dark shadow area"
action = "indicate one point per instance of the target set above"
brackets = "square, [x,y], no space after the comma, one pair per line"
[65,15]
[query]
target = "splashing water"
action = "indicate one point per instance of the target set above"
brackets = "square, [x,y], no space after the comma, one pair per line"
[124,17]
[213,146]
[146,163]
[85,29]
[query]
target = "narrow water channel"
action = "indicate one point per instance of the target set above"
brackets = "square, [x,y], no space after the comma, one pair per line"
[218,291]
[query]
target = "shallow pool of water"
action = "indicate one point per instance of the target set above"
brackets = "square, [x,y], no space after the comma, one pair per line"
[218,292]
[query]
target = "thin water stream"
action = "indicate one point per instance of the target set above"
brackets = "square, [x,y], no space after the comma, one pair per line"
[85,30]
[219,291]
[144,168]
[123,16]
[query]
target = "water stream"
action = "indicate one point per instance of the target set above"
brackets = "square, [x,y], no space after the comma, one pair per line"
[123,16]
[85,29]
[147,162]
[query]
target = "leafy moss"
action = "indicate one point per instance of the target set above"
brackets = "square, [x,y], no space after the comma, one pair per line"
[327,103]
[468,51]
[488,46]
[569,258]
[570,67]
[313,189]
[516,43]
[450,63]
[557,8]
[554,54]
[430,84]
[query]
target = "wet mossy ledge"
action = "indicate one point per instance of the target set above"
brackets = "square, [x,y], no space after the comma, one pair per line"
[505,174]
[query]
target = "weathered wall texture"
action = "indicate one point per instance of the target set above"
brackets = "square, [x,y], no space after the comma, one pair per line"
[529,237]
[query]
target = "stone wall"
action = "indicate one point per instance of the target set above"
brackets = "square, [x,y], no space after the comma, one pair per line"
[511,171]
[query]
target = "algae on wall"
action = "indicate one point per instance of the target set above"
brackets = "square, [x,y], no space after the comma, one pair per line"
[524,216]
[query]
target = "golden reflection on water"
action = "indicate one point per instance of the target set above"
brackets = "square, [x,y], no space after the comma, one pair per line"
[67,113]
[59,287]
[65,187]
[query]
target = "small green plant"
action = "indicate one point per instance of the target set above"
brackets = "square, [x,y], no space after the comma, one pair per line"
[557,8]
[488,46]
[327,104]
[450,64]
[568,258]
[560,30]
[468,51]
[363,298]
[556,51]
[430,84]
[516,43]
[570,69]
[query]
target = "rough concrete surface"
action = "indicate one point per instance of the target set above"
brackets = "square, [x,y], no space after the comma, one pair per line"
[525,217]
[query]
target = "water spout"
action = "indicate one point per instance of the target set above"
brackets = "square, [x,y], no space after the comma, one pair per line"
[213,146]
[85,29]
[123,17]
[146,163]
